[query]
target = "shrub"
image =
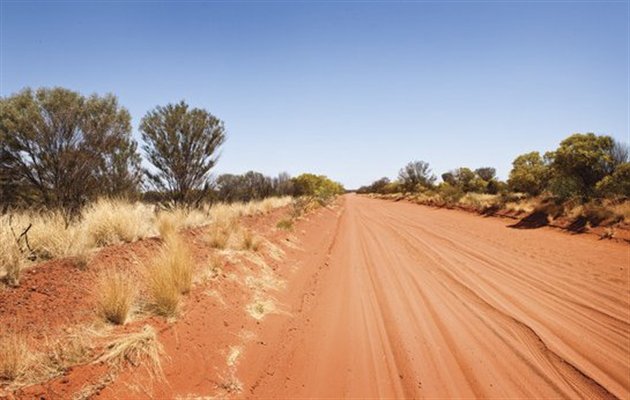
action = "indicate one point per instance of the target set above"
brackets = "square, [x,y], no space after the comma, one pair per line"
[116,296]
[617,184]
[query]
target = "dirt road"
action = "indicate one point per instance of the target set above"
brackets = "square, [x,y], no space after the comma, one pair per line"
[421,302]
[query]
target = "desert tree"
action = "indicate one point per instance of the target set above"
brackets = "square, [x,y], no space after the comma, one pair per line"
[416,174]
[181,143]
[62,148]
[530,174]
[579,163]
[486,173]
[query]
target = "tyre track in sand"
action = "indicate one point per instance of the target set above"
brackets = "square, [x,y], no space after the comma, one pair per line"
[418,302]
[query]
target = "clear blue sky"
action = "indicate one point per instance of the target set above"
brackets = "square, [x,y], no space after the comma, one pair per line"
[353,90]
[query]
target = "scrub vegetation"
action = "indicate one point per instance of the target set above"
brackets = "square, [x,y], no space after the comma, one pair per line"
[585,180]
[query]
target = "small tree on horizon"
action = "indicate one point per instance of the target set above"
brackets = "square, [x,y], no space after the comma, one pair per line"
[414,174]
[181,143]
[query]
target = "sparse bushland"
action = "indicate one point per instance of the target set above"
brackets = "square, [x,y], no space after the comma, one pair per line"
[585,180]
[116,296]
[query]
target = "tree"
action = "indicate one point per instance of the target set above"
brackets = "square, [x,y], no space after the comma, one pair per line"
[318,186]
[181,144]
[486,173]
[449,177]
[61,149]
[416,174]
[530,174]
[617,184]
[464,177]
[378,186]
[585,159]
[282,184]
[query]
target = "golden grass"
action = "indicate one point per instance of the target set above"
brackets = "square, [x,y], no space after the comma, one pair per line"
[116,296]
[109,221]
[249,241]
[169,275]
[13,262]
[479,201]
[14,357]
[135,348]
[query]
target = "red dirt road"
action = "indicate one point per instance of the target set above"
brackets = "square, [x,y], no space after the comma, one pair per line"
[419,302]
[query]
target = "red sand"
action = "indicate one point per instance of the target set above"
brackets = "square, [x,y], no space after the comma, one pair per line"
[389,299]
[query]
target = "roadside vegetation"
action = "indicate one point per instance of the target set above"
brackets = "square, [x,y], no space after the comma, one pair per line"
[584,182]
[72,182]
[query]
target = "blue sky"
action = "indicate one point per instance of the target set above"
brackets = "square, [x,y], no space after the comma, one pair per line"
[353,90]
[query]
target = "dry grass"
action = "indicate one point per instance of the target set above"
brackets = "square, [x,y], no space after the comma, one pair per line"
[116,296]
[479,201]
[63,353]
[135,348]
[108,221]
[249,241]
[13,262]
[222,231]
[286,224]
[169,275]
[14,357]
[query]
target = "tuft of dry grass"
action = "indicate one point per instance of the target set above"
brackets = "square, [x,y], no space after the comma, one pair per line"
[116,296]
[12,264]
[108,221]
[135,348]
[249,241]
[169,275]
[221,232]
[14,357]
[286,224]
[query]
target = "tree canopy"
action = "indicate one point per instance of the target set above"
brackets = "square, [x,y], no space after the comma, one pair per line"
[181,143]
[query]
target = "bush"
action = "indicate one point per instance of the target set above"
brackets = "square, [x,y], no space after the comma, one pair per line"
[319,187]
[617,184]
[529,174]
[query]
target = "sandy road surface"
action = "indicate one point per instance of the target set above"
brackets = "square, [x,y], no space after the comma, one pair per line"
[421,302]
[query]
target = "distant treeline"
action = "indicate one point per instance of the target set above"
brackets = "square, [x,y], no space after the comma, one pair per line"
[583,167]
[60,149]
